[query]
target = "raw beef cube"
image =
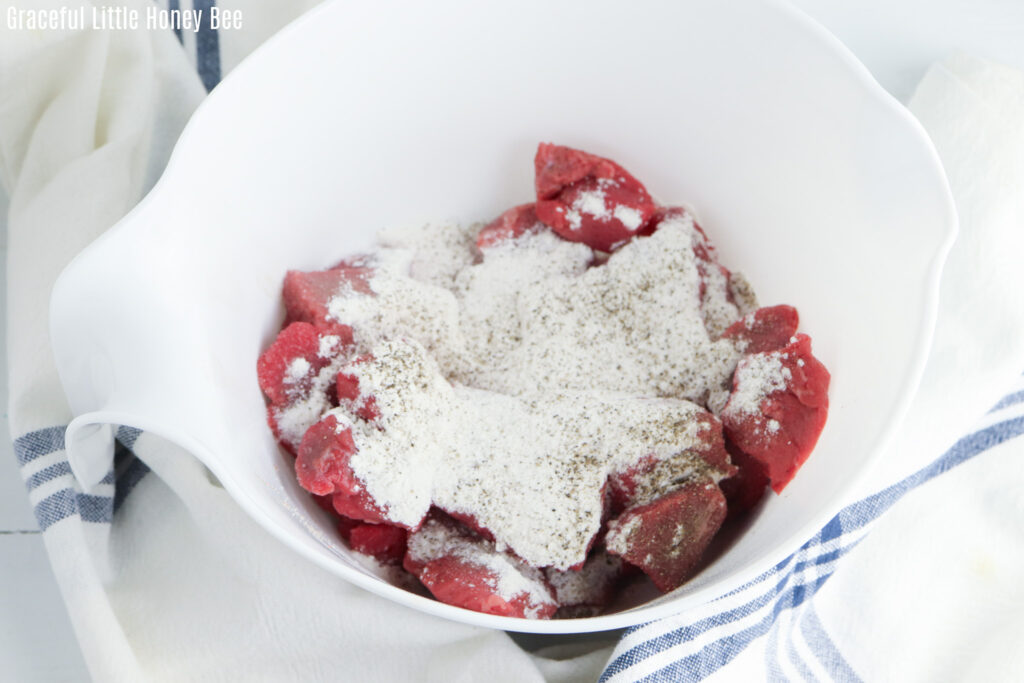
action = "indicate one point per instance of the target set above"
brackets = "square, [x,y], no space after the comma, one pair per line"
[322,468]
[347,386]
[345,524]
[745,488]
[585,198]
[383,542]
[287,369]
[516,221]
[777,408]
[360,506]
[557,167]
[297,376]
[666,538]
[650,478]
[585,591]
[324,503]
[766,329]
[307,295]
[460,568]
[712,451]
[456,581]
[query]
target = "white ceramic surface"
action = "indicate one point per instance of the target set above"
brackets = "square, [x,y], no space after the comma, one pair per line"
[810,179]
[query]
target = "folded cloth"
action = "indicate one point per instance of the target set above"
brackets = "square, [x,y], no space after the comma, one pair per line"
[166,579]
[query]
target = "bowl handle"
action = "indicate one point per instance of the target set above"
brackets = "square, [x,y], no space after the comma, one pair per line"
[125,350]
[89,443]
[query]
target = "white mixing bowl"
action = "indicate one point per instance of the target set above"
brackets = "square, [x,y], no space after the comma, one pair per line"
[810,179]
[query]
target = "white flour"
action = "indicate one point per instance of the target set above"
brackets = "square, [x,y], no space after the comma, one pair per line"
[756,377]
[510,386]
[532,316]
[528,469]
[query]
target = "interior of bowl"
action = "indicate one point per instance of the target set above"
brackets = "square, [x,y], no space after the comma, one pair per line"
[806,176]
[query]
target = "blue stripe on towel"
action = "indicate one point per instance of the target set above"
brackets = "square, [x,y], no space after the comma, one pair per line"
[127,436]
[133,474]
[175,6]
[95,509]
[61,469]
[824,648]
[56,507]
[207,46]
[38,443]
[65,502]
[1013,399]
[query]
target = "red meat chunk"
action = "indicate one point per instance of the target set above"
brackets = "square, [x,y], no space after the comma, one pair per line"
[324,503]
[585,198]
[383,542]
[286,369]
[460,568]
[766,329]
[290,372]
[455,581]
[515,222]
[781,429]
[713,452]
[307,295]
[650,478]
[345,525]
[667,537]
[359,505]
[744,489]
[322,468]
[347,386]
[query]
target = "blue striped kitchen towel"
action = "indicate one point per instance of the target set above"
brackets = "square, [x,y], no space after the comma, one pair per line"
[51,485]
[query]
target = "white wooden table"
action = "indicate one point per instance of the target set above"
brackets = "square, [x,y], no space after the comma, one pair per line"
[896,39]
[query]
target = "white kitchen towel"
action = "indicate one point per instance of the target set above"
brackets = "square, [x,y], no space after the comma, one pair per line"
[166,579]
